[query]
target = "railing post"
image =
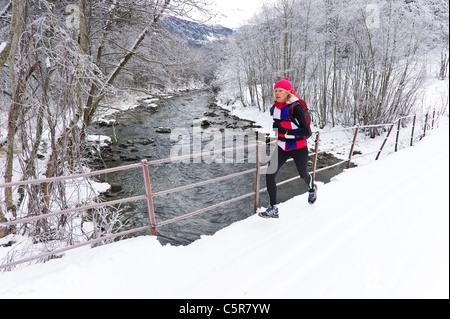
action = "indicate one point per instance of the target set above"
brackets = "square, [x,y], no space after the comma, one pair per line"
[353,146]
[425,128]
[413,127]
[316,153]
[258,175]
[398,134]
[148,190]
[434,114]
[384,143]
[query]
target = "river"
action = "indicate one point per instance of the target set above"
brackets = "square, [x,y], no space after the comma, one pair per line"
[135,137]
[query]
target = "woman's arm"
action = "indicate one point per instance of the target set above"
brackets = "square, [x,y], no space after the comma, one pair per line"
[304,129]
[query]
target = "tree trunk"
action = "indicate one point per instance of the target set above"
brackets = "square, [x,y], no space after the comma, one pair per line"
[17,18]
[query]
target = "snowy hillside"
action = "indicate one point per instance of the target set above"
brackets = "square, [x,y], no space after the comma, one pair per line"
[196,34]
[376,231]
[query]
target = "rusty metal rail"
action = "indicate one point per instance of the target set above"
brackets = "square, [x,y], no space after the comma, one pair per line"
[149,195]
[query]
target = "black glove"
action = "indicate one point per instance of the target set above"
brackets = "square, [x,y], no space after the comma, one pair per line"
[281,130]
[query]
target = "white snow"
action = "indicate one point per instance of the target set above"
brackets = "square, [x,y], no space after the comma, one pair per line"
[377,231]
[101,140]
[2,46]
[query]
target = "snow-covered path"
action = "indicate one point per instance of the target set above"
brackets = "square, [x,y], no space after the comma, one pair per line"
[376,231]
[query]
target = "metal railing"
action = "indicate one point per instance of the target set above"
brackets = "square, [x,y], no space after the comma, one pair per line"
[149,195]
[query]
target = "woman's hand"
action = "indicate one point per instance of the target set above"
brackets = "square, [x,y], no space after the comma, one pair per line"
[277,126]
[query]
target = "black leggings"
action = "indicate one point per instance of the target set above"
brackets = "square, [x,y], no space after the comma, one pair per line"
[300,157]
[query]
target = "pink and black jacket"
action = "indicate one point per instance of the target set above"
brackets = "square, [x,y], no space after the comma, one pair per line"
[291,130]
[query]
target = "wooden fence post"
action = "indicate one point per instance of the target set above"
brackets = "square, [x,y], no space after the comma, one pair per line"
[385,140]
[398,134]
[353,146]
[412,133]
[258,175]
[434,114]
[148,190]
[316,153]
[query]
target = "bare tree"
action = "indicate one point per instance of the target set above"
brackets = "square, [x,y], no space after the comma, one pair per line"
[63,59]
[18,19]
[353,62]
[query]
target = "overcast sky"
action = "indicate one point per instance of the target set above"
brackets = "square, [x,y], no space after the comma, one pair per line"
[234,13]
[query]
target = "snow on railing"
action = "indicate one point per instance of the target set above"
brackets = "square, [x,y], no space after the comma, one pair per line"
[149,195]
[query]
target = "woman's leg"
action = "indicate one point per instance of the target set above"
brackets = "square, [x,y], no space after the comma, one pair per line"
[300,157]
[278,158]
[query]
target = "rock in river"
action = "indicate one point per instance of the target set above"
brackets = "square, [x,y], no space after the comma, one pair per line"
[163,130]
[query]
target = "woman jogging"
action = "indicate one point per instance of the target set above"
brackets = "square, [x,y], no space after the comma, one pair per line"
[292,128]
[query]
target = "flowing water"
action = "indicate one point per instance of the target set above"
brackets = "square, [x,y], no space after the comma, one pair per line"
[135,137]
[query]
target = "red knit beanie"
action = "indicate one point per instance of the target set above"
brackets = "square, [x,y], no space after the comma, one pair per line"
[284,84]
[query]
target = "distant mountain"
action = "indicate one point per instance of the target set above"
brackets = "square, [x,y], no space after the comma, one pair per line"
[196,34]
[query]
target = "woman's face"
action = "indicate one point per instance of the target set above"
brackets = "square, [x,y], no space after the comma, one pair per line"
[281,95]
